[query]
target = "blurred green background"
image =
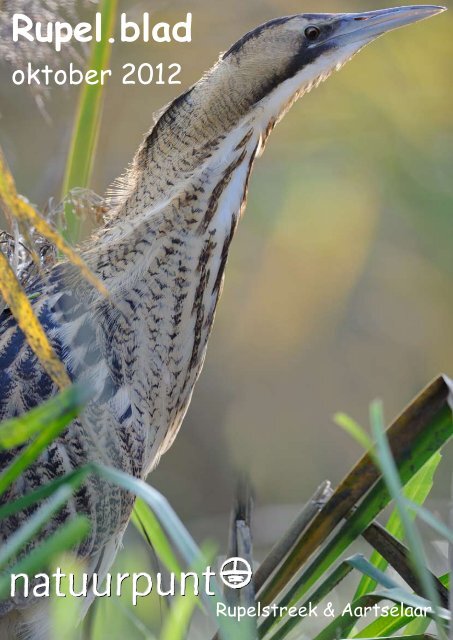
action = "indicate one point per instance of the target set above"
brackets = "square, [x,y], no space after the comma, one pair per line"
[339,283]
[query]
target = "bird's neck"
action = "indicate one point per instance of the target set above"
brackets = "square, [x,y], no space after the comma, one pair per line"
[194,134]
[164,252]
[205,204]
[164,270]
[188,183]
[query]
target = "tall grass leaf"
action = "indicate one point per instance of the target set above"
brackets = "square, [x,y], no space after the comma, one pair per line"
[343,624]
[24,459]
[65,612]
[330,583]
[72,480]
[16,431]
[386,626]
[437,525]
[183,541]
[357,562]
[416,626]
[177,622]
[392,479]
[25,533]
[87,123]
[354,429]
[64,539]
[148,525]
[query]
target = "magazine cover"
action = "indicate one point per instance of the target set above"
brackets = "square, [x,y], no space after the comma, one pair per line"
[226,279]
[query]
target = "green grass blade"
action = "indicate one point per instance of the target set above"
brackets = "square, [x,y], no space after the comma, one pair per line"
[178,621]
[65,613]
[392,479]
[183,541]
[357,562]
[64,539]
[423,636]
[376,500]
[354,429]
[328,585]
[417,626]
[388,626]
[73,480]
[74,399]
[170,521]
[343,624]
[437,525]
[87,124]
[148,525]
[26,532]
[17,431]
[417,490]
[398,556]
[383,627]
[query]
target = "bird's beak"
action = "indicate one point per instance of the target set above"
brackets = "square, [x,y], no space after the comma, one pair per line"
[363,27]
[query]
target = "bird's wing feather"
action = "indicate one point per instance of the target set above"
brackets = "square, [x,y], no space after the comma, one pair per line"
[23,382]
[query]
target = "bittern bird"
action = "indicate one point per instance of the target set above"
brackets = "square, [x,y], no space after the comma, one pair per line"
[162,255]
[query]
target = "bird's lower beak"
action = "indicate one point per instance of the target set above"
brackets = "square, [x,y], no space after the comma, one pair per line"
[363,27]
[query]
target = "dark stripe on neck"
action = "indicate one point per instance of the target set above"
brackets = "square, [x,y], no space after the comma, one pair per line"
[303,58]
[237,46]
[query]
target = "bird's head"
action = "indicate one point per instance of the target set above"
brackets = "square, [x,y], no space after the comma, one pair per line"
[284,58]
[256,81]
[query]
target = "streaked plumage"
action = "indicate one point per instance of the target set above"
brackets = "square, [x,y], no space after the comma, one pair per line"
[162,256]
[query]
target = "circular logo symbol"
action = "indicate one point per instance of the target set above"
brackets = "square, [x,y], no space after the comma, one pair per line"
[236,573]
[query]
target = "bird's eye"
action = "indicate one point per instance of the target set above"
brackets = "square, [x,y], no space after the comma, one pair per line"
[312,33]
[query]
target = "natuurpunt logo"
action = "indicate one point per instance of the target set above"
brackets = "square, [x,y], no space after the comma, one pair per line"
[235,573]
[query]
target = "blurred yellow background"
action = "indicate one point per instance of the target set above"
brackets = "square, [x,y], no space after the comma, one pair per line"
[339,282]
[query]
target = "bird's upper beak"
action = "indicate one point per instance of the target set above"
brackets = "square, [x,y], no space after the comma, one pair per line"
[363,27]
